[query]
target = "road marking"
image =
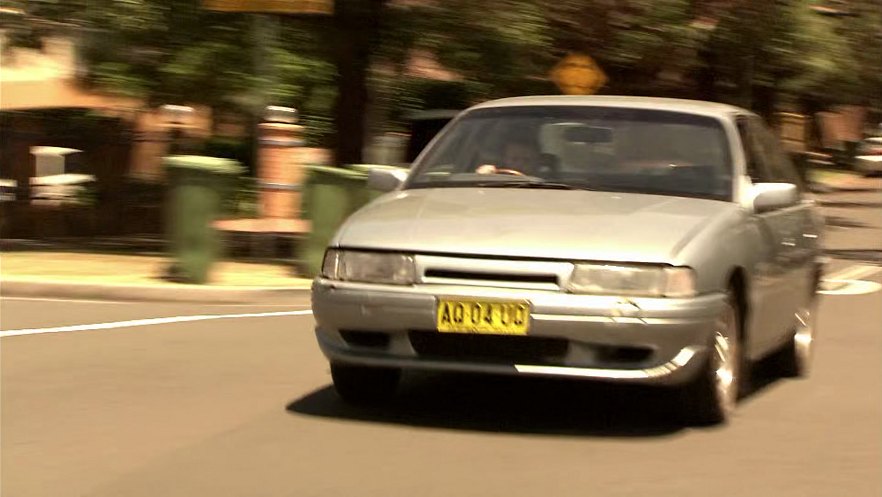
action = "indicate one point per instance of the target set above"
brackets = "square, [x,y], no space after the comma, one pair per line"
[78,301]
[252,305]
[854,273]
[148,322]
[123,302]
[848,281]
[849,287]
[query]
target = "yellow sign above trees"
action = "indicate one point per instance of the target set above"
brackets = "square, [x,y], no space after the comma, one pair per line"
[578,74]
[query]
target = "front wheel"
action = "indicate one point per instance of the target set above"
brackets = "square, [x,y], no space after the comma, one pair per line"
[794,359]
[364,384]
[711,398]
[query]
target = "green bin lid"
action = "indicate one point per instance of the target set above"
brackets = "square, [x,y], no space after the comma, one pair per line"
[366,168]
[214,165]
[339,172]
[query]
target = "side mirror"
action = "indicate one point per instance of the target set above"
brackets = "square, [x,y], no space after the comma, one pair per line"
[771,196]
[386,180]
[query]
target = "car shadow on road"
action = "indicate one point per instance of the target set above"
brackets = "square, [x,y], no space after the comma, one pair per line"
[512,405]
[520,405]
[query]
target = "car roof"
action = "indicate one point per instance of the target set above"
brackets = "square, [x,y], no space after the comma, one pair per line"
[712,109]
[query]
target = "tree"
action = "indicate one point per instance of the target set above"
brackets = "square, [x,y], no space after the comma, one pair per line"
[351,71]
[864,33]
[354,37]
[174,51]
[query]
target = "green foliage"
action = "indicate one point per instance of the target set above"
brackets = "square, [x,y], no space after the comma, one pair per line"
[299,79]
[826,62]
[173,51]
[650,33]
[243,201]
[239,150]
[86,196]
[789,46]
[77,124]
[166,51]
[495,44]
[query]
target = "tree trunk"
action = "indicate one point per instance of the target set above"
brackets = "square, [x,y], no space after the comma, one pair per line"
[356,31]
[706,77]
[765,101]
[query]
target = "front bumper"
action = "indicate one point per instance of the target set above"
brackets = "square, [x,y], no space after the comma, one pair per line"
[869,163]
[643,340]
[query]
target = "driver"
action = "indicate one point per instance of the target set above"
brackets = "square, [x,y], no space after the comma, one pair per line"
[519,154]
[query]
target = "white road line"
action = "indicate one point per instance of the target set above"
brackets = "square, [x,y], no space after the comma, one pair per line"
[854,273]
[148,322]
[124,302]
[289,306]
[76,301]
[850,287]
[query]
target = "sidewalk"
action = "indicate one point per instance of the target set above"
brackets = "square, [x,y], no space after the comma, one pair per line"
[830,180]
[136,277]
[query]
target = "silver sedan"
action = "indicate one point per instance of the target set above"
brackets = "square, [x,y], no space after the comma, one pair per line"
[620,239]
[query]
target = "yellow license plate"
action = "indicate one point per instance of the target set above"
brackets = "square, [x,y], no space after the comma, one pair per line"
[492,317]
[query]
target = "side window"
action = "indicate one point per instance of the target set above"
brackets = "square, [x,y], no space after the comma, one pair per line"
[756,167]
[449,156]
[780,165]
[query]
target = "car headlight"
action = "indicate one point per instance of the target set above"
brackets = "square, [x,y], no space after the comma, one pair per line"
[369,267]
[638,281]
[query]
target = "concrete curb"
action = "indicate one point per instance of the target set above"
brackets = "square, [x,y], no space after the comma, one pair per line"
[852,182]
[143,293]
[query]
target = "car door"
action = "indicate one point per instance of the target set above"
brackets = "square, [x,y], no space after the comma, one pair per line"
[770,300]
[800,245]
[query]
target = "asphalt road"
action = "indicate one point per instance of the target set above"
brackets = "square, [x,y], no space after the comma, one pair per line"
[243,407]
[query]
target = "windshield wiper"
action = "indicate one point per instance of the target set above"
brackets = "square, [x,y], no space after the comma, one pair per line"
[532,184]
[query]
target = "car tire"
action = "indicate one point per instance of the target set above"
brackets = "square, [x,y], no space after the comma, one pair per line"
[793,360]
[711,398]
[362,385]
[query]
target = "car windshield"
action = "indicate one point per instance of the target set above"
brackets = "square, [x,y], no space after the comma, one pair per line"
[581,147]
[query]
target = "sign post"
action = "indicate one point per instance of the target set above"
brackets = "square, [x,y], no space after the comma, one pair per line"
[320,7]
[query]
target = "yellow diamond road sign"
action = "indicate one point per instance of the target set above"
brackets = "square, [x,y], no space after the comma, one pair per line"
[578,74]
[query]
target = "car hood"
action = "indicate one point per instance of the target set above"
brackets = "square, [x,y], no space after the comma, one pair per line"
[531,223]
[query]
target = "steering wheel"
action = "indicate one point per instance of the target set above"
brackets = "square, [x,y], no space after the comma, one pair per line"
[491,169]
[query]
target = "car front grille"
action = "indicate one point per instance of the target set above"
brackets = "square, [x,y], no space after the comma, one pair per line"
[491,277]
[622,355]
[498,349]
[492,272]
[372,339]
